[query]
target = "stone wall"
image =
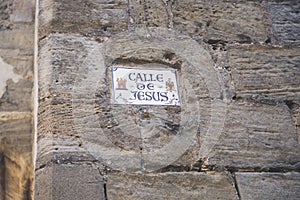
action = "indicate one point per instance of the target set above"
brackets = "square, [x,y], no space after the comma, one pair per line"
[16,83]
[235,136]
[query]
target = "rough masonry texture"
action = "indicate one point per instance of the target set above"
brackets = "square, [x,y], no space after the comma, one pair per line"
[235,136]
[16,103]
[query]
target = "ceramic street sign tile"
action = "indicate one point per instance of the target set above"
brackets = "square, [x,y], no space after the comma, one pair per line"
[138,86]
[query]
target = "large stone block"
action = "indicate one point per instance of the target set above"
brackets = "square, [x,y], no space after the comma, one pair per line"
[22,11]
[16,130]
[284,20]
[90,18]
[216,20]
[58,138]
[169,186]
[61,61]
[257,136]
[270,73]
[69,182]
[20,37]
[269,185]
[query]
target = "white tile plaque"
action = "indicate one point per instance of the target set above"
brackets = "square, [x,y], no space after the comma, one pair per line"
[145,86]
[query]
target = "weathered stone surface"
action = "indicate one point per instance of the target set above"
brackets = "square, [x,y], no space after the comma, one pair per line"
[4,16]
[295,109]
[16,155]
[68,182]
[22,64]
[58,74]
[90,18]
[108,135]
[257,136]
[16,82]
[221,21]
[56,143]
[22,11]
[7,74]
[270,73]
[149,13]
[17,96]
[170,186]
[240,101]
[269,185]
[20,37]
[284,20]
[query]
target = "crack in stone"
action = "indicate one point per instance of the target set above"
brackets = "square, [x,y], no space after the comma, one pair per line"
[131,25]
[233,181]
[104,184]
[168,4]
[105,191]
